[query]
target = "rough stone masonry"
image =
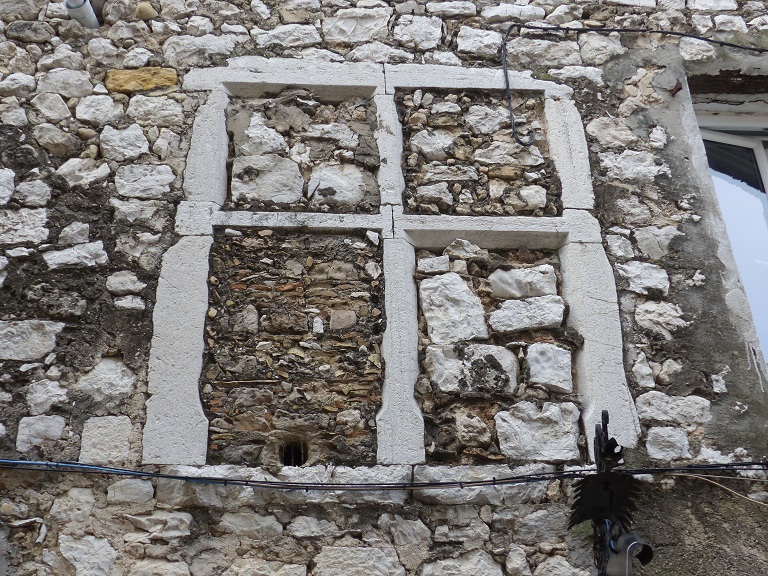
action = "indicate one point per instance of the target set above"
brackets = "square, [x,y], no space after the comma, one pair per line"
[321,217]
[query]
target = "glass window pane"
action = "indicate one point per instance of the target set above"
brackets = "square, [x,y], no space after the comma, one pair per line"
[744,207]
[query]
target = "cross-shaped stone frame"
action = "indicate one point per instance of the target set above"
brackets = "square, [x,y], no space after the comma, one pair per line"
[176,430]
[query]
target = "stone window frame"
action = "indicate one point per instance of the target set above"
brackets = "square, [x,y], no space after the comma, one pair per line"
[176,429]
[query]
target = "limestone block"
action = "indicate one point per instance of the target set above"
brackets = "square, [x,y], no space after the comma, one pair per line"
[257,566]
[55,141]
[508,153]
[644,278]
[155,111]
[528,314]
[524,282]
[483,369]
[533,52]
[260,139]
[685,410]
[98,110]
[632,165]
[478,563]
[130,491]
[309,527]
[278,179]
[83,171]
[289,35]
[590,73]
[149,213]
[17,84]
[63,57]
[558,566]
[155,567]
[432,144]
[338,132]
[35,430]
[89,555]
[74,506]
[516,563]
[486,120]
[369,561]
[667,443]
[379,52]
[597,49]
[550,366]
[128,81]
[26,225]
[549,435]
[110,380]
[89,255]
[619,246]
[185,51]
[27,340]
[451,9]
[126,144]
[479,42]
[162,524]
[694,50]
[144,181]
[6,185]
[707,5]
[43,394]
[353,25]
[436,194]
[436,265]
[464,249]
[418,32]
[654,242]
[661,318]
[339,184]
[611,132]
[452,311]
[67,83]
[508,12]
[250,525]
[34,194]
[106,440]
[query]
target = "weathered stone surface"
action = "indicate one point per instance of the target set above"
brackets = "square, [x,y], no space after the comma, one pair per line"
[6,185]
[105,440]
[667,443]
[435,193]
[155,111]
[433,145]
[124,282]
[644,278]
[130,303]
[90,254]
[308,527]
[27,340]
[74,506]
[75,233]
[478,563]
[482,369]
[549,435]
[509,153]
[260,139]
[43,394]
[632,165]
[185,51]
[35,430]
[89,555]
[155,567]
[289,35]
[267,178]
[505,12]
[54,140]
[379,52]
[686,410]
[478,41]
[550,366]
[528,314]
[68,83]
[662,318]
[486,120]
[125,144]
[250,525]
[26,225]
[144,181]
[516,563]
[128,81]
[333,560]
[436,265]
[611,132]
[353,25]
[149,213]
[130,491]
[558,566]
[163,525]
[63,57]
[619,246]
[694,50]
[464,249]
[419,32]
[524,282]
[706,5]
[258,566]
[109,380]
[83,171]
[341,133]
[451,9]
[34,193]
[17,84]
[655,242]
[339,184]
[532,52]
[24,9]
[452,311]
[597,49]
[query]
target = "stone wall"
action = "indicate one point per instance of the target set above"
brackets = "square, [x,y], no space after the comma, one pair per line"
[100,201]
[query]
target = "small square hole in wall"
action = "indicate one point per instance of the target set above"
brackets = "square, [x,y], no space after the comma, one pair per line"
[292,356]
[460,156]
[295,151]
[491,335]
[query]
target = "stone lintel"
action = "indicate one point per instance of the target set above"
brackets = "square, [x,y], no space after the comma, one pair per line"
[309,221]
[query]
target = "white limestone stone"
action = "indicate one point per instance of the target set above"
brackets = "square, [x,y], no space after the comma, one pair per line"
[558,566]
[137,57]
[110,380]
[308,527]
[106,440]
[341,133]
[98,110]
[144,181]
[33,193]
[452,311]
[149,213]
[632,165]
[444,368]
[17,84]
[442,58]
[6,185]
[183,51]
[436,265]
[11,112]
[565,13]
[27,340]
[730,23]
[250,525]
[261,139]
[550,366]
[163,524]
[83,171]
[611,132]
[533,52]
[597,49]
[516,563]
[642,372]
[432,144]
[43,394]
[56,141]
[661,318]
[451,9]
[67,83]
[36,430]
[368,561]
[25,225]
[685,410]
[590,73]
[379,52]
[52,107]
[353,25]
[528,314]
[289,35]
[63,57]
[505,12]
[654,242]
[126,144]
[89,555]
[471,430]
[253,566]
[418,32]
[104,51]
[90,254]
[667,443]
[478,41]
[549,435]
[166,144]
[707,5]
[477,562]
[130,491]
[76,505]
[199,26]
[155,567]
[472,374]
[155,111]
[130,303]
[508,153]
[619,246]
[279,179]
[464,249]
[339,184]
[644,278]
[435,193]
[524,282]
[486,120]
[124,282]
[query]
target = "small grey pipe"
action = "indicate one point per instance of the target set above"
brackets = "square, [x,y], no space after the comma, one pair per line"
[82,12]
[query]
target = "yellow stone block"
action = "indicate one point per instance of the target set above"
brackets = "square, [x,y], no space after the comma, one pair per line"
[127,81]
